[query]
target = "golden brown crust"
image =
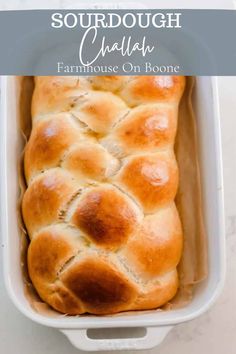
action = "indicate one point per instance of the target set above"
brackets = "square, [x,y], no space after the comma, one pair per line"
[46,198]
[48,142]
[64,301]
[106,216]
[147,128]
[89,162]
[152,89]
[162,290]
[157,245]
[152,179]
[100,286]
[54,94]
[48,253]
[108,83]
[102,178]
[99,110]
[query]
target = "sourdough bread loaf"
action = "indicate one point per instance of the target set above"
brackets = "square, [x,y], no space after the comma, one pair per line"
[101,173]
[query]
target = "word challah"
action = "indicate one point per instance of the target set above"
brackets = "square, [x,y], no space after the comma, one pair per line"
[105,234]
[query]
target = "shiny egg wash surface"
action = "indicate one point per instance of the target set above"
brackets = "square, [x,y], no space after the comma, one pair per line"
[105,233]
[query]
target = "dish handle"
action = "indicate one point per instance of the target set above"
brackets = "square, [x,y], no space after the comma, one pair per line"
[153,337]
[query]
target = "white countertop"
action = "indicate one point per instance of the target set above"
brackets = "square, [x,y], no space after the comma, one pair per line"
[214,331]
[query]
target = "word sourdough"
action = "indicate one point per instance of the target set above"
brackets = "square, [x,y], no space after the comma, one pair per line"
[114,20]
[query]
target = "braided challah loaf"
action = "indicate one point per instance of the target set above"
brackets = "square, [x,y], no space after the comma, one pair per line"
[102,177]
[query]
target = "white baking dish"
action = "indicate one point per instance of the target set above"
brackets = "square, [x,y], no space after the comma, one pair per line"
[158,324]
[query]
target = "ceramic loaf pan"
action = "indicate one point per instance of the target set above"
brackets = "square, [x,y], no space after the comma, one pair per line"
[158,324]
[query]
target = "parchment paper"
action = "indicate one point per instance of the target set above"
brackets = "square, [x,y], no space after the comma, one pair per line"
[193,265]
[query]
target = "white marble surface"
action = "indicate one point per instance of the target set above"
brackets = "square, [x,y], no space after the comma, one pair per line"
[214,331]
[50,4]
